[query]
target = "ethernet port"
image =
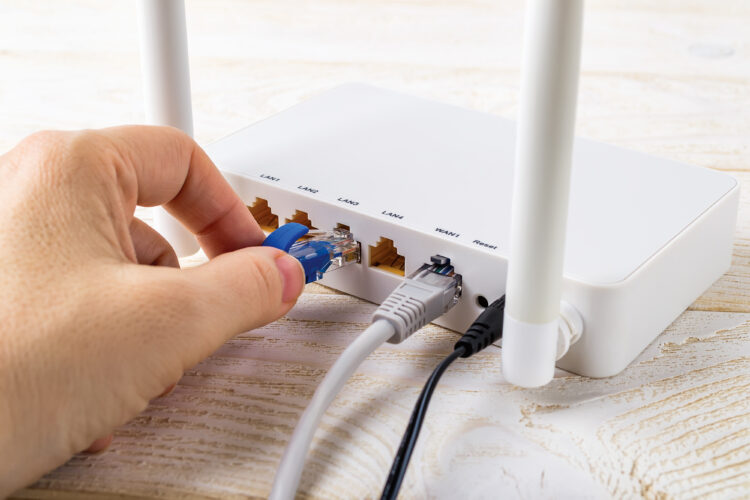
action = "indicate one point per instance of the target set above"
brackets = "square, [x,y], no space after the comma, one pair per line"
[301,217]
[385,256]
[267,220]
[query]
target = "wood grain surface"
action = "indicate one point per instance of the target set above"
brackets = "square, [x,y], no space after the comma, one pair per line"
[670,78]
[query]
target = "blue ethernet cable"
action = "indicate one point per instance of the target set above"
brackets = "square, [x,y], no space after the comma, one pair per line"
[321,252]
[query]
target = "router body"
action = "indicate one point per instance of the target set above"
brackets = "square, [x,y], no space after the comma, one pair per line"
[645,236]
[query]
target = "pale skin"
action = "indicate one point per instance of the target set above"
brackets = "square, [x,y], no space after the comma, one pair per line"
[97,318]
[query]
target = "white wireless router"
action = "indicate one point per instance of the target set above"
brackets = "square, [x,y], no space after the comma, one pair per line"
[643,237]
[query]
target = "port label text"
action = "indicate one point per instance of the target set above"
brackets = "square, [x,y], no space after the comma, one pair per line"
[485,245]
[446,232]
[348,201]
[392,214]
[269,177]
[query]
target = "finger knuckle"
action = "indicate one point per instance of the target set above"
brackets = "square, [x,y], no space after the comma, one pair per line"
[92,150]
[59,155]
[44,138]
[39,146]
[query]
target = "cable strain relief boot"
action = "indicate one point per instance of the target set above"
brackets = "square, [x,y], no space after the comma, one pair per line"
[406,314]
[486,329]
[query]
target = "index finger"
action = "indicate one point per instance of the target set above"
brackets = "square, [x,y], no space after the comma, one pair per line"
[172,170]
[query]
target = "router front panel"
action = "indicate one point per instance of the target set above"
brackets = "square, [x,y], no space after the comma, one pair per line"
[645,236]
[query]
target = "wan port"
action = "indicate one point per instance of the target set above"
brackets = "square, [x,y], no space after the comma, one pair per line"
[301,217]
[267,220]
[385,256]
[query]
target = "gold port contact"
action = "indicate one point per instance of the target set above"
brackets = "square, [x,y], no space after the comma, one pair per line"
[267,220]
[355,255]
[385,256]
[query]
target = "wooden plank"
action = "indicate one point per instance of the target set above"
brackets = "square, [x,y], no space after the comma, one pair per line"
[674,423]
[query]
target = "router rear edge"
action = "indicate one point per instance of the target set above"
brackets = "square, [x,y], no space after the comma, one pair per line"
[412,178]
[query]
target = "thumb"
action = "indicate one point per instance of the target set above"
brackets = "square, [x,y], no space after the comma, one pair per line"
[235,292]
[249,287]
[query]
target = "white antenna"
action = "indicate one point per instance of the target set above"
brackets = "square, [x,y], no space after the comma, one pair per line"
[544,144]
[166,88]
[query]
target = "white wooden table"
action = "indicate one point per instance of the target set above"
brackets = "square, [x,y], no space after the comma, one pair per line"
[670,78]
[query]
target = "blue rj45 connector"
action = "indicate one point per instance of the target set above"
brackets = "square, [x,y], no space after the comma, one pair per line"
[320,252]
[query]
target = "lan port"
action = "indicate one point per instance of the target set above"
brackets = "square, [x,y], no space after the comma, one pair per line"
[385,256]
[301,217]
[267,220]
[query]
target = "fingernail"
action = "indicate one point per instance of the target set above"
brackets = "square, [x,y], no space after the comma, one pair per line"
[293,276]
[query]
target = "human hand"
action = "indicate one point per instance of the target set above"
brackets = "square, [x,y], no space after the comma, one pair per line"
[96,319]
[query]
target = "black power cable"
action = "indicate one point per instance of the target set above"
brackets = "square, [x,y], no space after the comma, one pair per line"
[486,329]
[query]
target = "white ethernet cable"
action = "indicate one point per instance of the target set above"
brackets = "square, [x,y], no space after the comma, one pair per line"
[421,298]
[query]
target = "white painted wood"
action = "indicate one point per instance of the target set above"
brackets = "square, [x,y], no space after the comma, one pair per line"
[675,422]
[669,78]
